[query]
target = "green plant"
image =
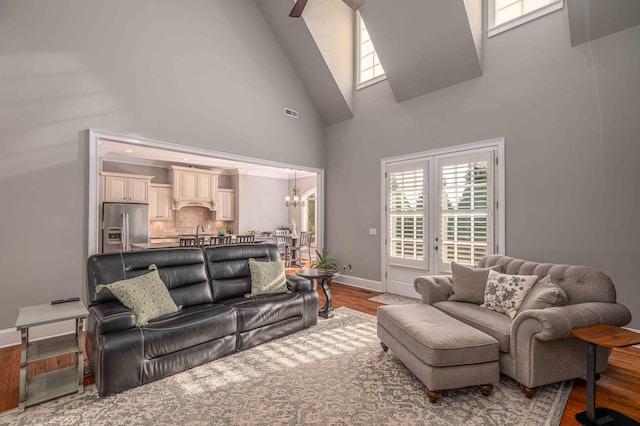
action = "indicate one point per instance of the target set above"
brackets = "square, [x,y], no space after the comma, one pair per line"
[284,228]
[324,260]
[222,232]
[253,232]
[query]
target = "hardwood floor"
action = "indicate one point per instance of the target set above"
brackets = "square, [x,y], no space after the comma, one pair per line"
[619,387]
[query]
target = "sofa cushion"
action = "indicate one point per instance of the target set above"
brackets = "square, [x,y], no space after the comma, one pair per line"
[228,267]
[190,327]
[469,283]
[544,294]
[505,293]
[495,324]
[146,295]
[266,309]
[435,337]
[267,278]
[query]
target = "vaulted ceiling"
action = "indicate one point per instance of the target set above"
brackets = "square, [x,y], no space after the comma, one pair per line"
[423,45]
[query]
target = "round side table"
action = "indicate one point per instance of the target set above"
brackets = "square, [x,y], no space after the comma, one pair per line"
[324,276]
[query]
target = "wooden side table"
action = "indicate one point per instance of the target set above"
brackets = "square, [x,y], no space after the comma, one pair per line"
[611,337]
[53,384]
[325,276]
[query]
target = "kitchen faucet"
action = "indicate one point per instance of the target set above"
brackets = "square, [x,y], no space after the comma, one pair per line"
[198,230]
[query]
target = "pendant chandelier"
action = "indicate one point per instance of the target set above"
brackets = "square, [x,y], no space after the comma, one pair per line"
[294,199]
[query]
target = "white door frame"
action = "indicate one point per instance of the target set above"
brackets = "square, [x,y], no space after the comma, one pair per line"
[95,136]
[497,143]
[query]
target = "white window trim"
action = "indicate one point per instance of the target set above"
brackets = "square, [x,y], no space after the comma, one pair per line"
[371,81]
[495,30]
[498,144]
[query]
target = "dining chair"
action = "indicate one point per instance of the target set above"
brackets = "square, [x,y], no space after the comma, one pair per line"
[304,242]
[283,241]
[191,241]
[220,240]
[242,239]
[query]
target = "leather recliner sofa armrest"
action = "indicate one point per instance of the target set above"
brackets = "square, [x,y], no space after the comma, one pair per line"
[296,283]
[110,317]
[434,288]
[556,322]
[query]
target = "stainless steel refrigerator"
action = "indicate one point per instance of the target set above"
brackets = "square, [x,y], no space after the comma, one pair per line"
[124,225]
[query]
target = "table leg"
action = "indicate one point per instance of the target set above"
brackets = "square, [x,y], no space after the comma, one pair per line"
[327,309]
[599,416]
[24,369]
[591,381]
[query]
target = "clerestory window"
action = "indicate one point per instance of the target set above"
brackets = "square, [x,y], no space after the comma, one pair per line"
[507,14]
[369,68]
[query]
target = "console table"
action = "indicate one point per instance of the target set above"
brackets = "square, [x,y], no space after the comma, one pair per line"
[53,384]
[325,276]
[611,337]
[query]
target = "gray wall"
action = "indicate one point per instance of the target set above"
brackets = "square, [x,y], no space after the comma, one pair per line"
[570,120]
[260,203]
[198,72]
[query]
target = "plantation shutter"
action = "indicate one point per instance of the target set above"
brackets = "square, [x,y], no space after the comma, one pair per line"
[406,212]
[466,208]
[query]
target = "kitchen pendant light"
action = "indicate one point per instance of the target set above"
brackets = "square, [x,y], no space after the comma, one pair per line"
[294,199]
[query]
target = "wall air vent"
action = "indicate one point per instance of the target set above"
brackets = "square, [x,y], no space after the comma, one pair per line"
[291,113]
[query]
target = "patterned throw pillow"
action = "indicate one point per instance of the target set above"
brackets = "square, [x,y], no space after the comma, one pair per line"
[146,296]
[544,294]
[469,283]
[267,278]
[505,293]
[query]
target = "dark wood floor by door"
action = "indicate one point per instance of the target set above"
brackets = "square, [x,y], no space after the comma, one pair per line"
[619,387]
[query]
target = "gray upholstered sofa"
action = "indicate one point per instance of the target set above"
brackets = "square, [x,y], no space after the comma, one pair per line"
[536,347]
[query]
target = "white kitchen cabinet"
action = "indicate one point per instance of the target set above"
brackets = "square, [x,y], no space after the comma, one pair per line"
[193,187]
[125,188]
[160,202]
[225,204]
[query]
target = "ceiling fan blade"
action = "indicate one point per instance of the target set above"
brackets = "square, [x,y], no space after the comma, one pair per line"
[354,4]
[298,8]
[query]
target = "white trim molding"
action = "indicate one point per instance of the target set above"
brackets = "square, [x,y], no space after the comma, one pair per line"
[359,282]
[94,167]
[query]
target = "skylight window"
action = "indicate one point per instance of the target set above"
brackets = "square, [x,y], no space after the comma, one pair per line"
[507,14]
[369,68]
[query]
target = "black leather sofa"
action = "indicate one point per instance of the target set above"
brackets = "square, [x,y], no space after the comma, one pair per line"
[215,320]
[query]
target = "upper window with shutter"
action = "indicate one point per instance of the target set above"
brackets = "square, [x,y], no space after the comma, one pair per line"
[369,67]
[507,14]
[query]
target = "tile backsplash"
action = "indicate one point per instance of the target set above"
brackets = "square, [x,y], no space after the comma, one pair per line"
[185,221]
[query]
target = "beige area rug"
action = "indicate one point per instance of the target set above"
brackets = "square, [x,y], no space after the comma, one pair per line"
[332,374]
[394,299]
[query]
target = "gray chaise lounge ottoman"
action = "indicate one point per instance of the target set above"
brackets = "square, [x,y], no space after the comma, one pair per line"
[441,351]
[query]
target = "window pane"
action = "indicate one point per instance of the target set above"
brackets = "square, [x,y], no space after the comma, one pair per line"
[369,64]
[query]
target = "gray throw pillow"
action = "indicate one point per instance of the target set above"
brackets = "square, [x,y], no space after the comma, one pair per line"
[469,283]
[267,278]
[544,294]
[146,295]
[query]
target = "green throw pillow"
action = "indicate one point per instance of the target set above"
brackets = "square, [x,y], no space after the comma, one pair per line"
[146,296]
[267,278]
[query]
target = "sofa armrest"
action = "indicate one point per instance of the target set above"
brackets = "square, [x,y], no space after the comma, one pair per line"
[434,288]
[556,322]
[110,317]
[296,283]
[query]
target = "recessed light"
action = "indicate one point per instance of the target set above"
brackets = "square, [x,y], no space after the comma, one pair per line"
[186,159]
[128,150]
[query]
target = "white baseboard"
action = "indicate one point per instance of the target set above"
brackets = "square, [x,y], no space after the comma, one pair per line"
[359,282]
[11,336]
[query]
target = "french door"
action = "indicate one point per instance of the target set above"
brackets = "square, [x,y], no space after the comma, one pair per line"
[439,208]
